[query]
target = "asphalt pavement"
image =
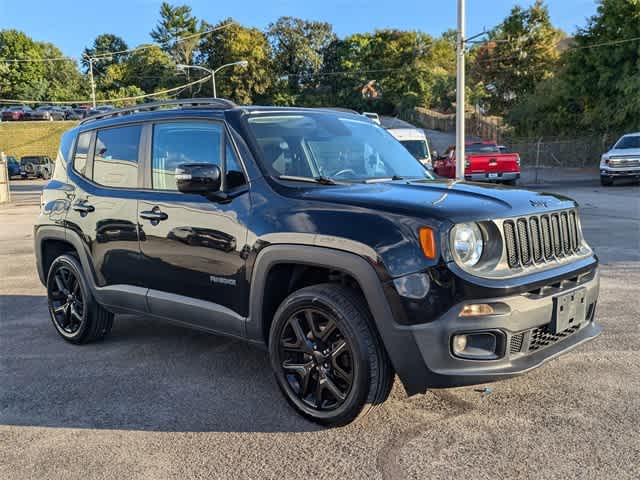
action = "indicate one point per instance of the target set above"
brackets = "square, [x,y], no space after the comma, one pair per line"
[155,401]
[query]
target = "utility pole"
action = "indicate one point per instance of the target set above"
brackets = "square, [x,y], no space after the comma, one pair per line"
[93,84]
[241,63]
[460,85]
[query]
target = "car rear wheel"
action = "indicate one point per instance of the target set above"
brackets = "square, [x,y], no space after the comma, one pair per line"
[75,314]
[328,360]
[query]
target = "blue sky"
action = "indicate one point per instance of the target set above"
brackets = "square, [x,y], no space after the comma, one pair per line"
[73,24]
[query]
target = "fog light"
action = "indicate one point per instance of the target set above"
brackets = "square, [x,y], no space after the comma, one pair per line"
[459,343]
[478,345]
[476,309]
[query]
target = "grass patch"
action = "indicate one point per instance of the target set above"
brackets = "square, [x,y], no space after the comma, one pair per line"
[32,138]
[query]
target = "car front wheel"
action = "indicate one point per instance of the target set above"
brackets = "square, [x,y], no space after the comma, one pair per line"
[328,360]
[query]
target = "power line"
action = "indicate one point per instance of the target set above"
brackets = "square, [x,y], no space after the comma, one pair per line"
[108,100]
[144,47]
[120,52]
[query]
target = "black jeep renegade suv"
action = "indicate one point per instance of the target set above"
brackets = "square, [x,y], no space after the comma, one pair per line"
[315,233]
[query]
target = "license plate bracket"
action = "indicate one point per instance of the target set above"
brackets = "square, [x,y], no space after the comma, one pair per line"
[569,309]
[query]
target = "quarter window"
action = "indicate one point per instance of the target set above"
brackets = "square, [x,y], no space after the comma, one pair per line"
[82,149]
[183,142]
[115,162]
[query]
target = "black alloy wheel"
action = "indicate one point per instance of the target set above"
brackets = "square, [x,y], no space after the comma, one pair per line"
[316,359]
[75,314]
[66,300]
[327,357]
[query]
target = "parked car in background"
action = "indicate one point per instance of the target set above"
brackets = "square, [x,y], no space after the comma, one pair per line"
[374,117]
[76,114]
[483,162]
[414,140]
[40,166]
[13,167]
[16,112]
[622,160]
[46,112]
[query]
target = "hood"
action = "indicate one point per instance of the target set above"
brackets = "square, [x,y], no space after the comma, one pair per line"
[442,199]
[623,152]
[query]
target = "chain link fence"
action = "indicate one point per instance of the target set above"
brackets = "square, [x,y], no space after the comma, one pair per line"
[578,152]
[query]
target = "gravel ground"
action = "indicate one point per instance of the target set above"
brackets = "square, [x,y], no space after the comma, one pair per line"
[154,401]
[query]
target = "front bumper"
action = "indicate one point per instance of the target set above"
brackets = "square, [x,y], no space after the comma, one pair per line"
[629,172]
[492,176]
[520,323]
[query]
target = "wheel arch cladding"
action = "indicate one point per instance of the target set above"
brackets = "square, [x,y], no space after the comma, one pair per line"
[398,342]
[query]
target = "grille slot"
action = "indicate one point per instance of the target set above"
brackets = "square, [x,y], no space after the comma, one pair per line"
[523,237]
[540,238]
[515,346]
[535,239]
[541,337]
[510,242]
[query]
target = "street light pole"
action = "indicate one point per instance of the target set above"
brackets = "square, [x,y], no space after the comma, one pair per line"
[460,85]
[211,72]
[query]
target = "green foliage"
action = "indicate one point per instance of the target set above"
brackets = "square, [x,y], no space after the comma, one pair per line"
[232,44]
[598,86]
[103,46]
[37,80]
[175,32]
[298,49]
[522,52]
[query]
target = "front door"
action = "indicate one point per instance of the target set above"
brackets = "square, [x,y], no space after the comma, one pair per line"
[194,247]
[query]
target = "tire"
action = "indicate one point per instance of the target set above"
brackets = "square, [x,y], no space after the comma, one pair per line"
[45,174]
[606,182]
[328,354]
[510,182]
[83,320]
[29,168]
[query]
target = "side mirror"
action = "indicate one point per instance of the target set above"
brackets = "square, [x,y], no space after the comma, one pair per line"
[199,178]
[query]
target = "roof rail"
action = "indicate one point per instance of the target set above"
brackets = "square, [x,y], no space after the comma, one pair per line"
[146,107]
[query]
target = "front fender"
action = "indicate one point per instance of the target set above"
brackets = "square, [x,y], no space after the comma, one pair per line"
[398,340]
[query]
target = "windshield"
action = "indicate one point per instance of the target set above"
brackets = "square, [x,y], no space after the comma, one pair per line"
[482,148]
[417,148]
[314,144]
[628,141]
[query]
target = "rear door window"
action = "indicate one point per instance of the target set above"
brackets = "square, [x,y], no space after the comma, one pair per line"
[115,162]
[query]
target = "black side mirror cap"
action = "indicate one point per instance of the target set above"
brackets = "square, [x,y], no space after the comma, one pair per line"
[201,178]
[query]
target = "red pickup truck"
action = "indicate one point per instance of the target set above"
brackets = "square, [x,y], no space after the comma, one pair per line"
[483,161]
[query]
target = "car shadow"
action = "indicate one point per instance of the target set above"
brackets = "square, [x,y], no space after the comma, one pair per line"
[146,375]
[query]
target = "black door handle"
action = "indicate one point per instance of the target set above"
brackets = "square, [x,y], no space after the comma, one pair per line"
[155,215]
[83,208]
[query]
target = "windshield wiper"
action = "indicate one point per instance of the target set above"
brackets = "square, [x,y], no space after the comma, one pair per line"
[383,179]
[321,179]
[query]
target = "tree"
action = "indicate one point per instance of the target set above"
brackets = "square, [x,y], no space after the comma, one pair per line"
[150,69]
[21,79]
[521,52]
[104,44]
[175,32]
[231,44]
[597,88]
[298,48]
[63,79]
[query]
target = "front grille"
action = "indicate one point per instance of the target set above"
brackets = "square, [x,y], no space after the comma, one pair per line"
[540,238]
[541,337]
[624,162]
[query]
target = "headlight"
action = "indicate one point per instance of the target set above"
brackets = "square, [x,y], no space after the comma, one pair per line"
[467,243]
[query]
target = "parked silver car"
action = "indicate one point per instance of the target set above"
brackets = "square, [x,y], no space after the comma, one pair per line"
[47,112]
[622,160]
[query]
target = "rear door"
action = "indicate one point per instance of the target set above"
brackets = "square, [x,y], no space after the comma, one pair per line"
[103,210]
[193,246]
